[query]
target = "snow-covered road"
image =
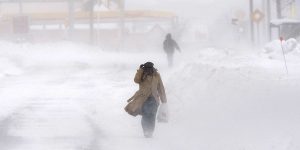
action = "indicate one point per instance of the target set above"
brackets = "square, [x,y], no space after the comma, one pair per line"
[66,96]
[48,111]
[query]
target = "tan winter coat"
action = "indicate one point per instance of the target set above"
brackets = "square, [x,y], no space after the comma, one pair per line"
[152,85]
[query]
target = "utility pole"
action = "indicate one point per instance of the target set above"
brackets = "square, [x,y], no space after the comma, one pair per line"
[70,22]
[269,20]
[92,2]
[251,21]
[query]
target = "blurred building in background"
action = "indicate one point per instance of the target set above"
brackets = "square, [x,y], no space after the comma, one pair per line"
[103,22]
[271,19]
[287,18]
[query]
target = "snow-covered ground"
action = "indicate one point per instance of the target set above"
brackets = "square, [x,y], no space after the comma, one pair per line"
[67,96]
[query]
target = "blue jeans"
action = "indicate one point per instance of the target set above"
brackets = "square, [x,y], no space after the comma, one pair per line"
[149,111]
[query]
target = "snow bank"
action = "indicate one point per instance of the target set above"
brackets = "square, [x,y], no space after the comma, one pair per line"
[218,99]
[274,49]
[233,104]
[10,64]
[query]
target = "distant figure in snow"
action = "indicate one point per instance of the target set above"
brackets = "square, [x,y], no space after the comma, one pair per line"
[146,100]
[169,47]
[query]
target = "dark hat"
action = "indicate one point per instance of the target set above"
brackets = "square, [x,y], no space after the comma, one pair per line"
[148,65]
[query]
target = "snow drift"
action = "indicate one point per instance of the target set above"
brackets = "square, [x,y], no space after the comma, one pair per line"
[72,96]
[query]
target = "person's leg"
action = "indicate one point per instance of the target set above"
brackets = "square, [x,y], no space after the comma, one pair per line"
[152,116]
[149,111]
[170,59]
[146,126]
[145,118]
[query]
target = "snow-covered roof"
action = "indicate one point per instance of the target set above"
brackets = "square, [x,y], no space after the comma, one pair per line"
[278,22]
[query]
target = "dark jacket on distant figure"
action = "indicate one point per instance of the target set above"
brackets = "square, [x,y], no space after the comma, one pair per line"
[170,45]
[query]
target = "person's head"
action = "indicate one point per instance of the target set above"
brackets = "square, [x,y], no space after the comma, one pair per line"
[148,69]
[168,36]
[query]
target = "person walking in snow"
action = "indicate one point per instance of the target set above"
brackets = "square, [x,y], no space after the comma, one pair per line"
[146,100]
[169,47]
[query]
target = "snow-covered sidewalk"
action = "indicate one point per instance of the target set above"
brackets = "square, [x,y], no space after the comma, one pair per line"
[66,96]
